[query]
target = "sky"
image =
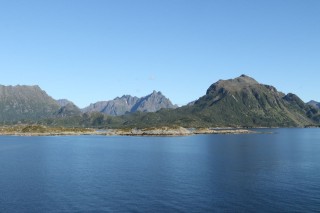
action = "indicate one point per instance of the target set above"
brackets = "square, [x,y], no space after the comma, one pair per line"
[94,50]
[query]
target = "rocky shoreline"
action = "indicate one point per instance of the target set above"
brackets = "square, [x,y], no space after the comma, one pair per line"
[179,131]
[36,130]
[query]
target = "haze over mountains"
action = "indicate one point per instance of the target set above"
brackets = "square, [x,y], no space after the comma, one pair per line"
[239,102]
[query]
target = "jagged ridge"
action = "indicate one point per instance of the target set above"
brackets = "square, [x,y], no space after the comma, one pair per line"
[128,104]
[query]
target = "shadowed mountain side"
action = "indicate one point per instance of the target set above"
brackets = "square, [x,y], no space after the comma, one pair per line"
[68,110]
[316,107]
[314,104]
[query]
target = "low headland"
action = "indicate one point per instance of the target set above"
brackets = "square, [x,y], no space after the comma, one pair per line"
[41,130]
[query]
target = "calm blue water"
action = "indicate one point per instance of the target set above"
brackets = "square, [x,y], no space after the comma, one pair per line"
[204,173]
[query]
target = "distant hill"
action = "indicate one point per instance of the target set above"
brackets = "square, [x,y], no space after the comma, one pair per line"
[24,103]
[316,107]
[314,104]
[63,102]
[129,104]
[238,102]
[69,109]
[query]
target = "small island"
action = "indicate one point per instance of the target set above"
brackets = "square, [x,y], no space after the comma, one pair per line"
[41,130]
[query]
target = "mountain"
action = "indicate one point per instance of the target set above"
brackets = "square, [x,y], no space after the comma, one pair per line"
[191,103]
[314,104]
[245,102]
[152,103]
[25,103]
[128,104]
[68,110]
[63,102]
[239,102]
[315,108]
[117,106]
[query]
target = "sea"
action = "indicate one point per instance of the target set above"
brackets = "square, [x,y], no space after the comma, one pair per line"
[276,170]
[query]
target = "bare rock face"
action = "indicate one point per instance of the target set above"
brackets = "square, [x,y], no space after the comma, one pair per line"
[128,104]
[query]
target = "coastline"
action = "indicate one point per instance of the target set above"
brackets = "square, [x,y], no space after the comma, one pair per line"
[37,130]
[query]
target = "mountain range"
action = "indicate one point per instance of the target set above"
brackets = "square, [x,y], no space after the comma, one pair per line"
[129,104]
[29,104]
[238,102]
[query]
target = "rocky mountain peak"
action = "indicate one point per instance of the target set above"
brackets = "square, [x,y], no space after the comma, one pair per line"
[232,85]
[128,104]
[156,93]
[246,79]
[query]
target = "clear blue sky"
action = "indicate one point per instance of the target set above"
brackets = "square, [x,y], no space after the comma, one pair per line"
[91,50]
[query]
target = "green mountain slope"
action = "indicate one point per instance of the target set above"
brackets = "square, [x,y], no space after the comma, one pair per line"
[25,103]
[239,102]
[236,102]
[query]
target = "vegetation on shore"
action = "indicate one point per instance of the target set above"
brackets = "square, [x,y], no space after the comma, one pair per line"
[40,130]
